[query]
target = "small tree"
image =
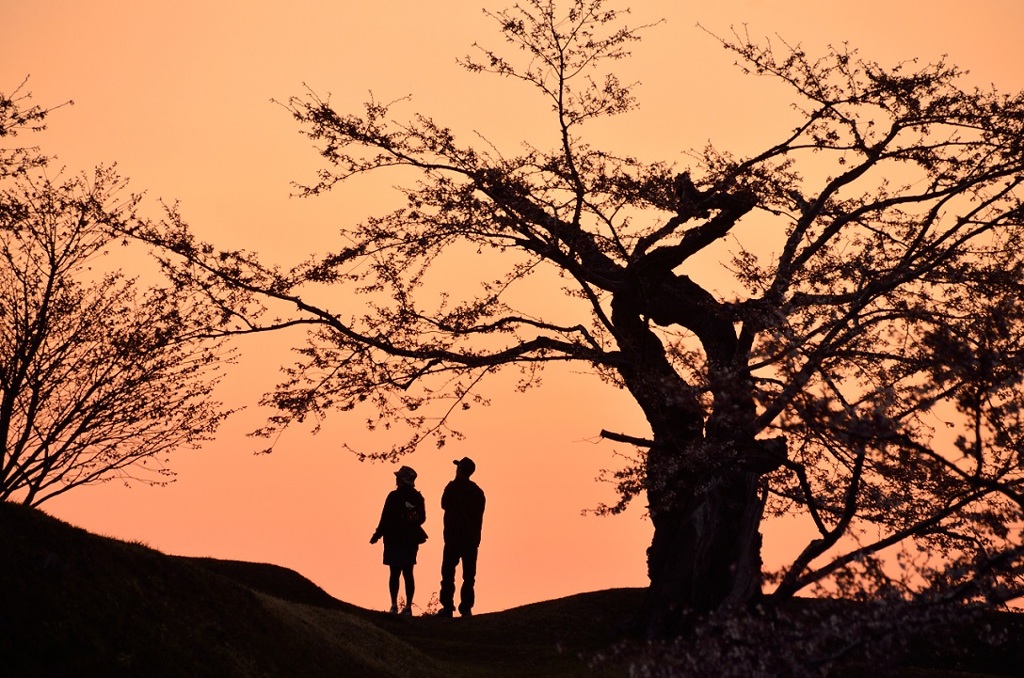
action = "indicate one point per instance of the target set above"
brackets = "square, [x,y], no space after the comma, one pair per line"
[99,377]
[875,301]
[18,115]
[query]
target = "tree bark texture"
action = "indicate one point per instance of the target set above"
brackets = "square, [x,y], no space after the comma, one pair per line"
[706,550]
[703,473]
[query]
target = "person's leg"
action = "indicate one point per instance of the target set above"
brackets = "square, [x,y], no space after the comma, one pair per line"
[410,588]
[396,572]
[449,559]
[467,596]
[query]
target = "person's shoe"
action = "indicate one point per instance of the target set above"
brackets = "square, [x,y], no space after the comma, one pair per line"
[407,610]
[465,613]
[446,612]
[393,610]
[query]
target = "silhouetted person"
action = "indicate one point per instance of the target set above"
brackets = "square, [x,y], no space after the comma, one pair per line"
[463,504]
[400,524]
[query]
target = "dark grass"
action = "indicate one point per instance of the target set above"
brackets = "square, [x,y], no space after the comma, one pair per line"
[76,604]
[555,638]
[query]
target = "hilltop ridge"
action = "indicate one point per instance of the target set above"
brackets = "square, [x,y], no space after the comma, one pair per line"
[75,603]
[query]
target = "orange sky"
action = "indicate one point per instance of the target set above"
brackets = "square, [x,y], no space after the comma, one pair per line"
[178,94]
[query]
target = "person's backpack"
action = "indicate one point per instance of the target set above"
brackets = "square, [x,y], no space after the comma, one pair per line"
[414,520]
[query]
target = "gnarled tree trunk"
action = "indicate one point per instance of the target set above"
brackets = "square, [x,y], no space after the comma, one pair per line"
[704,470]
[706,550]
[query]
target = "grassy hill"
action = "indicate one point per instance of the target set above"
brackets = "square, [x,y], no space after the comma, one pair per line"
[73,603]
[76,604]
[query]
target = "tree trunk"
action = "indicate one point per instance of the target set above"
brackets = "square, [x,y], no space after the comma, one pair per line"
[704,470]
[706,551]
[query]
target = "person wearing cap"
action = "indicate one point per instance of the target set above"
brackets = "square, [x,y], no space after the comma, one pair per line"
[463,504]
[400,525]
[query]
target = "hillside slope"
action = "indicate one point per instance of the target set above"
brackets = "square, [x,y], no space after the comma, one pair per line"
[74,603]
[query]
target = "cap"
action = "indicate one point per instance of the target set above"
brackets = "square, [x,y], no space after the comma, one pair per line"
[466,465]
[406,473]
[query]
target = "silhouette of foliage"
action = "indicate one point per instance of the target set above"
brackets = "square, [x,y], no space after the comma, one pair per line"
[18,115]
[100,377]
[862,369]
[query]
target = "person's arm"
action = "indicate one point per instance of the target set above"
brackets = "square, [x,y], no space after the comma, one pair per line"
[480,514]
[382,525]
[481,502]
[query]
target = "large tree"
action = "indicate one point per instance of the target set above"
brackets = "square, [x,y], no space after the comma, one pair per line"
[863,368]
[101,377]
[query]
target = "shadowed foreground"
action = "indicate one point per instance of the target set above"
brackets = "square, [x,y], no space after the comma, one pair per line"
[73,603]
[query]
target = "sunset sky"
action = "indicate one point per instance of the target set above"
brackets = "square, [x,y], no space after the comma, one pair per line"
[179,95]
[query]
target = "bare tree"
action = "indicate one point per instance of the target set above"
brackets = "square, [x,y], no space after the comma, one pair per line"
[17,115]
[864,369]
[100,377]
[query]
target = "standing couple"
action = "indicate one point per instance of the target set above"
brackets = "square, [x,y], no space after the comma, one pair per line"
[401,526]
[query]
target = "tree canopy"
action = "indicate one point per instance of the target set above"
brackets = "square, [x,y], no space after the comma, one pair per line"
[862,368]
[101,377]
